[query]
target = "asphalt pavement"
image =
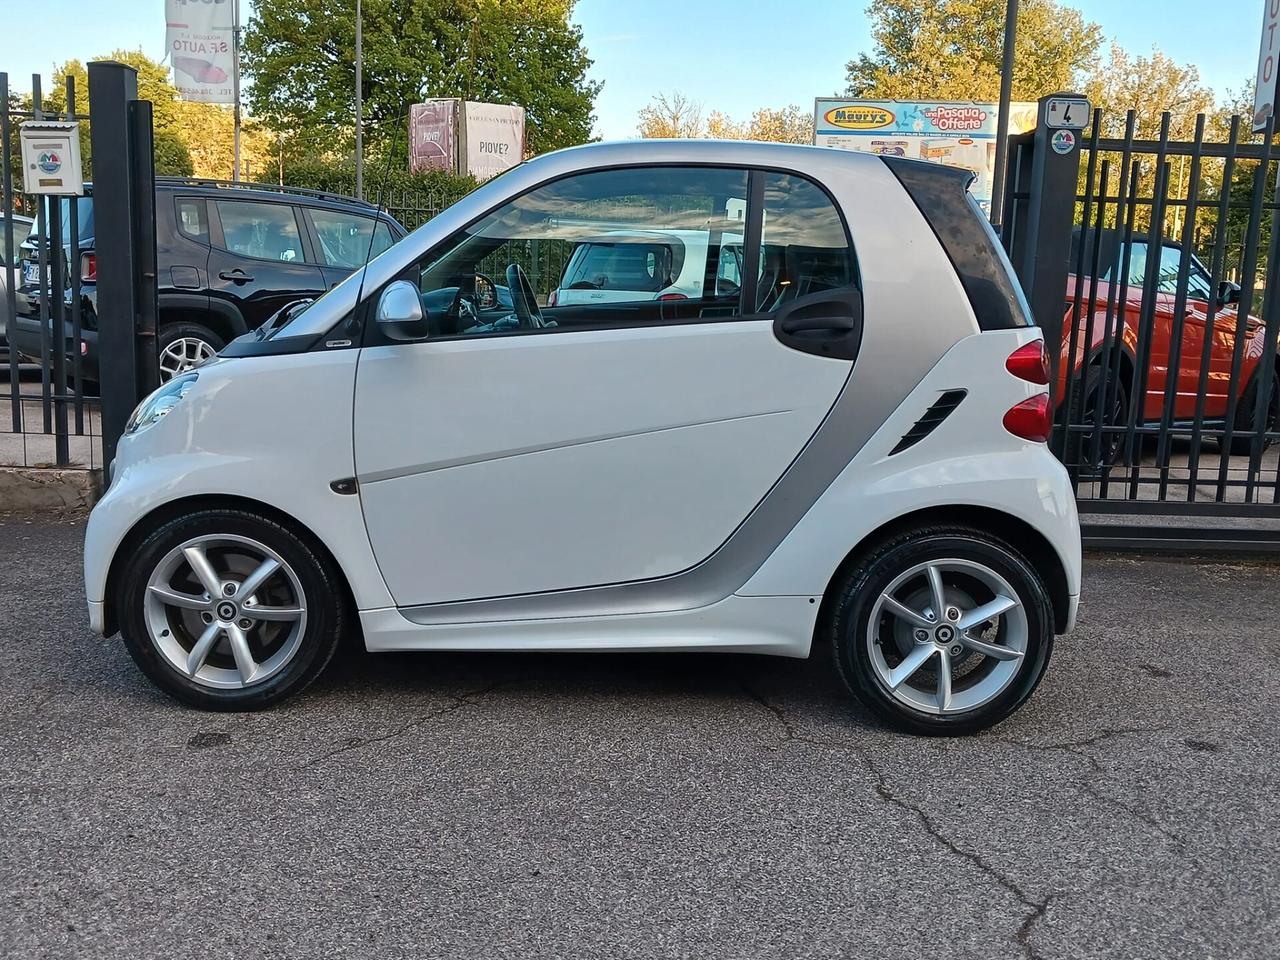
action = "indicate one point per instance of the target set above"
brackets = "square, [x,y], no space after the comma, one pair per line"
[528,806]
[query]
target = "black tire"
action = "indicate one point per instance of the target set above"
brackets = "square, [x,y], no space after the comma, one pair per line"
[859,589]
[1246,416]
[170,333]
[322,590]
[1079,446]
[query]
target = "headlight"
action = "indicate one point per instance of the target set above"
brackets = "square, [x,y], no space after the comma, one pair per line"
[160,402]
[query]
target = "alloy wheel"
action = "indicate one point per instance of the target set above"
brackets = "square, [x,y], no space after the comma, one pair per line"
[225,611]
[183,354]
[947,636]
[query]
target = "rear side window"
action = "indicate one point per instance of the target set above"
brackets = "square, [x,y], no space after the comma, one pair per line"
[193,218]
[344,238]
[266,231]
[803,244]
[942,194]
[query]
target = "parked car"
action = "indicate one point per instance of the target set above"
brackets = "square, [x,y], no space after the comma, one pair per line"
[850,454]
[229,256]
[622,266]
[21,226]
[1201,297]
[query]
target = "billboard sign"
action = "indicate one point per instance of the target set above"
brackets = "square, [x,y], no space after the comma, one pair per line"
[959,134]
[433,141]
[198,34]
[492,138]
[1264,93]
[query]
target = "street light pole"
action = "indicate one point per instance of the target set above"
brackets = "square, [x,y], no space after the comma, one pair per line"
[1002,122]
[235,84]
[359,105]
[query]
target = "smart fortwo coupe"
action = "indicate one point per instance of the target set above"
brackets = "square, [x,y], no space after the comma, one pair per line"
[839,445]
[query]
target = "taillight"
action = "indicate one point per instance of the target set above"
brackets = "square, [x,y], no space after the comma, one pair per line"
[1029,362]
[1031,419]
[551,298]
[89,267]
[673,296]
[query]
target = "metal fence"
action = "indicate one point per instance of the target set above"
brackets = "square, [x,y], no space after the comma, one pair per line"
[1166,390]
[49,413]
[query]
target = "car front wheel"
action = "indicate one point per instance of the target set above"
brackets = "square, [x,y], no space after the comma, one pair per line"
[228,610]
[943,630]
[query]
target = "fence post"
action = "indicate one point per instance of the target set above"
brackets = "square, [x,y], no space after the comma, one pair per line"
[119,247]
[1045,241]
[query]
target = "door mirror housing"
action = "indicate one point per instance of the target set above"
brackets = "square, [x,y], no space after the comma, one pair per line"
[400,312]
[1228,292]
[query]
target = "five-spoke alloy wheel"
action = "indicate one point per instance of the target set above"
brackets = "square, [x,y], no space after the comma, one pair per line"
[230,610]
[943,630]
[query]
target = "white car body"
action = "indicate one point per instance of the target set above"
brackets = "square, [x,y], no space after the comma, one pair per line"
[674,509]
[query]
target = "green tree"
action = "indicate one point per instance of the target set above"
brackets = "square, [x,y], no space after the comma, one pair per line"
[171,153]
[951,50]
[300,57]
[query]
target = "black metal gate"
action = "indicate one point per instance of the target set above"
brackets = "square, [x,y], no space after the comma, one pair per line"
[1162,258]
[76,266]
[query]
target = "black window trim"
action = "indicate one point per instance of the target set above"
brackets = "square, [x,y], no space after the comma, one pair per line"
[752,235]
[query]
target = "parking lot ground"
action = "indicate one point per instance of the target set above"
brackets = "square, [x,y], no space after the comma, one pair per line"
[630,806]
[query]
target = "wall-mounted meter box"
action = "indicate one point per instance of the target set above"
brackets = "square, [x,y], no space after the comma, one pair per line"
[51,158]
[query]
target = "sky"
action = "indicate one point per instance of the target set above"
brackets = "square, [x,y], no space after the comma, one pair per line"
[731,55]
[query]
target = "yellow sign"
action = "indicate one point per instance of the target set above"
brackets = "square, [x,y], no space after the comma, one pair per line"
[859,117]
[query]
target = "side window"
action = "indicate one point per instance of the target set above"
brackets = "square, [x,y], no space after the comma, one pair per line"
[605,248]
[1198,287]
[803,248]
[344,238]
[266,231]
[193,218]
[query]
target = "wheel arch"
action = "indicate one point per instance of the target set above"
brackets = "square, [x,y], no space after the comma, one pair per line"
[218,315]
[165,512]
[1015,531]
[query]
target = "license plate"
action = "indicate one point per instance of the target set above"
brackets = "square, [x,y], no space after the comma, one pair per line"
[31,272]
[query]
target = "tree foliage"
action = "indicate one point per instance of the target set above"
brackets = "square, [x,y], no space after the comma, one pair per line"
[676,115]
[300,57]
[951,50]
[1149,86]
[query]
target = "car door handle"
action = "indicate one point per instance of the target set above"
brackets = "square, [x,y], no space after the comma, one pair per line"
[235,276]
[804,324]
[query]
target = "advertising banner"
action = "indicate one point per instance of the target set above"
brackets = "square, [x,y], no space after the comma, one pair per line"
[198,34]
[493,138]
[959,134]
[432,136]
[1264,92]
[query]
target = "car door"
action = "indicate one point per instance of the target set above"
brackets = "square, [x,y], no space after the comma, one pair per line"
[258,261]
[342,241]
[573,447]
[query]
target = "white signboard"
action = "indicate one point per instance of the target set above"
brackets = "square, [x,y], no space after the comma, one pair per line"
[1264,96]
[198,34]
[492,138]
[1068,113]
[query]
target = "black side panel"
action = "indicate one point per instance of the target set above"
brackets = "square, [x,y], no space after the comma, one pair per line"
[943,197]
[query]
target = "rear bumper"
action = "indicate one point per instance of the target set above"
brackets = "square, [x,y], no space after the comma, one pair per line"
[24,337]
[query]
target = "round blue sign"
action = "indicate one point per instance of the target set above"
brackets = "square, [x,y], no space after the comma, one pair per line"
[49,162]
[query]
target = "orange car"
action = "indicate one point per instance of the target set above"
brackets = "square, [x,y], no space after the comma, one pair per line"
[1201,299]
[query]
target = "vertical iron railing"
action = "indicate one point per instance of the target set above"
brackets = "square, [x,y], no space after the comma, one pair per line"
[1169,400]
[52,418]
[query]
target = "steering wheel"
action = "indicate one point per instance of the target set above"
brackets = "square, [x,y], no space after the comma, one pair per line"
[523,301]
[486,292]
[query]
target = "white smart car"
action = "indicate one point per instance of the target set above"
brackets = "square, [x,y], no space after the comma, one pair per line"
[843,451]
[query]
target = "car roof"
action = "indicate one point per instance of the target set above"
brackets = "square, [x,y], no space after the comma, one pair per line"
[198,186]
[729,152]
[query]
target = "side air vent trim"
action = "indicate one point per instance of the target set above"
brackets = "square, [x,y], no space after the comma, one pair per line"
[937,412]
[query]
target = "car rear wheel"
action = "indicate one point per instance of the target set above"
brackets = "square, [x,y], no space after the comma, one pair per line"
[1246,423]
[228,610]
[184,346]
[942,630]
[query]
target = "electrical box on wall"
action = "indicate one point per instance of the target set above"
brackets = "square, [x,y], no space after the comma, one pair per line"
[51,158]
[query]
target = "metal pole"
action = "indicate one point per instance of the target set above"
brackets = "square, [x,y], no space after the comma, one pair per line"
[235,83]
[359,103]
[1002,121]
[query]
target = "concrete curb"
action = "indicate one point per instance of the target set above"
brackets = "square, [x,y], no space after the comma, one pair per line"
[36,491]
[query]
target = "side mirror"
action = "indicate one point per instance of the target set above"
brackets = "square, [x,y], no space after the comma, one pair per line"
[400,313]
[1228,292]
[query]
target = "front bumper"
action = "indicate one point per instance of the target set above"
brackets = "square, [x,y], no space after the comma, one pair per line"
[1073,610]
[97,616]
